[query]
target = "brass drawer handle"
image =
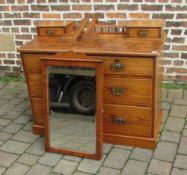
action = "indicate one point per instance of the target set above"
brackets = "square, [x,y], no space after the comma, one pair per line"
[143,34]
[119,120]
[50,32]
[117,67]
[118,91]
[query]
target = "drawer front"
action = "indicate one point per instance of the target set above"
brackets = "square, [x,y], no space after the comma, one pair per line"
[129,66]
[132,91]
[144,33]
[38,110]
[32,62]
[50,31]
[127,120]
[35,84]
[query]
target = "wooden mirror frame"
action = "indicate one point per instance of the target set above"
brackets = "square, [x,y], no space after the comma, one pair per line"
[75,60]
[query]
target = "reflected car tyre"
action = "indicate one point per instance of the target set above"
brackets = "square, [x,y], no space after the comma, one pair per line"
[82,97]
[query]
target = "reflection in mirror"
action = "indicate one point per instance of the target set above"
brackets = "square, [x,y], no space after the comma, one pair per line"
[72,98]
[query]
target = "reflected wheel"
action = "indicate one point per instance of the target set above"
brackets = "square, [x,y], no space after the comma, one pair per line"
[82,97]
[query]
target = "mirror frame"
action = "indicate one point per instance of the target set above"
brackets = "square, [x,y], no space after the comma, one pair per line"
[75,60]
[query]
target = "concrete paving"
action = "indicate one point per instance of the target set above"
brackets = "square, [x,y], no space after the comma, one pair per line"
[21,152]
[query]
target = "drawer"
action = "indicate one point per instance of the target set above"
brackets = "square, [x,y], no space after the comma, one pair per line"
[38,110]
[32,62]
[129,66]
[50,31]
[144,32]
[35,84]
[127,120]
[132,91]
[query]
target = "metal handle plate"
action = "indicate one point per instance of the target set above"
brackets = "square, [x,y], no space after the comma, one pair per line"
[118,91]
[119,120]
[117,67]
[143,33]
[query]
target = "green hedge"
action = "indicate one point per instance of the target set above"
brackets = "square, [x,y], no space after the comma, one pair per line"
[174,85]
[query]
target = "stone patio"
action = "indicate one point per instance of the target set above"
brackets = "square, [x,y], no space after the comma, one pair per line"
[21,152]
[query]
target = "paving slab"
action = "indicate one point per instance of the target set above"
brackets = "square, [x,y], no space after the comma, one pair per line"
[65,167]
[177,171]
[5,136]
[14,147]
[28,112]
[180,102]
[2,169]
[185,125]
[4,122]
[23,119]
[8,96]
[37,148]
[165,115]
[2,84]
[23,106]
[178,111]
[183,146]
[90,166]
[12,115]
[165,151]
[134,167]
[159,167]
[13,128]
[170,136]
[28,126]
[50,159]
[117,158]
[108,171]
[38,169]
[80,173]
[73,158]
[17,169]
[124,147]
[15,101]
[25,136]
[5,108]
[181,161]
[141,154]
[28,159]
[164,93]
[1,142]
[6,159]
[175,93]
[107,148]
[166,105]
[185,94]
[175,124]
[184,132]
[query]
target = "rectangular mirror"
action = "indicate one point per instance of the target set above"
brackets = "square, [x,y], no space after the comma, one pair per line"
[73,98]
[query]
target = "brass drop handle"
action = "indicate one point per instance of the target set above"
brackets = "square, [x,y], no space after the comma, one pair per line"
[50,32]
[118,91]
[119,120]
[143,33]
[117,67]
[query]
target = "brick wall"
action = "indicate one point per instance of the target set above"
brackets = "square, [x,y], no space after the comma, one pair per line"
[17,18]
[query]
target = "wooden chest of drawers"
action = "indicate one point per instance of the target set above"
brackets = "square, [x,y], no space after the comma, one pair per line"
[131,92]
[128,97]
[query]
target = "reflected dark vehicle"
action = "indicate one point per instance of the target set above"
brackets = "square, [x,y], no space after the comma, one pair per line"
[75,92]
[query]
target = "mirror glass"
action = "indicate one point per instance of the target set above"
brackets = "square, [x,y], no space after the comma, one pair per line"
[72,109]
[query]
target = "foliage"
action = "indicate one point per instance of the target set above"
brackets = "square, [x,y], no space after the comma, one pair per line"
[11,79]
[174,85]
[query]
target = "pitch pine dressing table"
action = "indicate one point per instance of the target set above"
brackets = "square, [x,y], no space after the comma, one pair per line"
[131,57]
